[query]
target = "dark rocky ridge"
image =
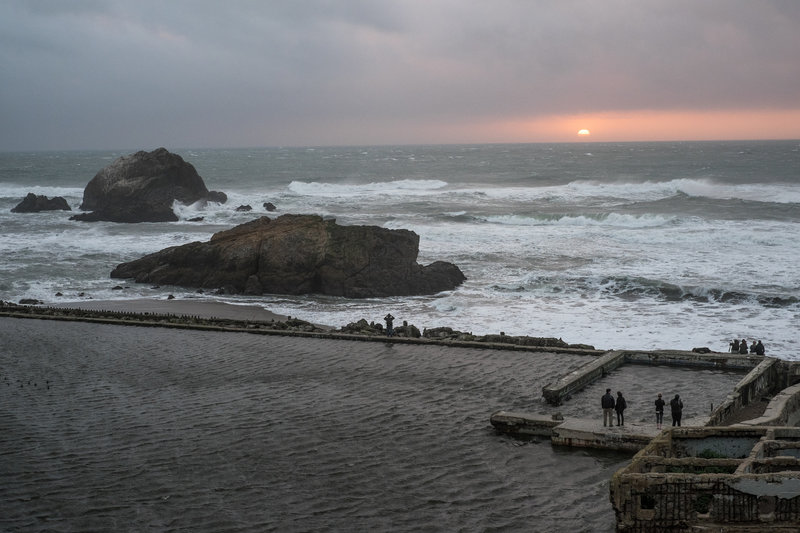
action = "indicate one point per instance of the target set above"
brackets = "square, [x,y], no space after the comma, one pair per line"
[142,188]
[298,254]
[33,203]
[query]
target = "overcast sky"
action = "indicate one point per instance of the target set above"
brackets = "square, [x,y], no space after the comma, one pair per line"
[140,74]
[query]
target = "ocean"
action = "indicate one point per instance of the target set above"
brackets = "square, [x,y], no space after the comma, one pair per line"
[618,245]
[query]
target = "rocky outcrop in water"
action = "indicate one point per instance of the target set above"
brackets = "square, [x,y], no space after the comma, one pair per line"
[33,203]
[142,188]
[299,254]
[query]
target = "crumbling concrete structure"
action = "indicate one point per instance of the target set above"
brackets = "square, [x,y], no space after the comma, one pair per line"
[733,479]
[764,369]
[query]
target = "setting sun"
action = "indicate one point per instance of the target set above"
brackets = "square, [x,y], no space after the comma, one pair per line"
[583,132]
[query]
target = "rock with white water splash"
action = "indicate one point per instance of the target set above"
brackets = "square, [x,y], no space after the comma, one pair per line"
[142,188]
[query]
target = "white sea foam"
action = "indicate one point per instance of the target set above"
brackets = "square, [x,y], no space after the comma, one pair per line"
[640,191]
[17,191]
[404,187]
[604,219]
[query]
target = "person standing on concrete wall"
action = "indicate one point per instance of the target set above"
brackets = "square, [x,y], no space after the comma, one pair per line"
[389,321]
[659,410]
[607,402]
[743,347]
[676,405]
[619,407]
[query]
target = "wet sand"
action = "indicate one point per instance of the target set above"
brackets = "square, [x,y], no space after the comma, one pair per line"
[188,307]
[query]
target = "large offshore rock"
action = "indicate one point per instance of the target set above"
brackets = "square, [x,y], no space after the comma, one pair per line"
[299,254]
[142,188]
[33,203]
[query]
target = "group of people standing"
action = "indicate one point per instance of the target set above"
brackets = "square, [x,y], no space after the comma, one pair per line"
[618,405]
[675,407]
[610,405]
[740,347]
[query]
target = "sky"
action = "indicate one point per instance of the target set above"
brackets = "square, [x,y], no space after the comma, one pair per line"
[139,74]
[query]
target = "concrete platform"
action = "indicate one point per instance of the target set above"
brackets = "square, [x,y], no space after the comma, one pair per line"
[581,432]
[585,433]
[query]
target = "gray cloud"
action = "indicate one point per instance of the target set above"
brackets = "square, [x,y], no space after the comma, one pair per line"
[131,74]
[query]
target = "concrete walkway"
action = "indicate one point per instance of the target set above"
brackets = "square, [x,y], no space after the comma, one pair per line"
[582,432]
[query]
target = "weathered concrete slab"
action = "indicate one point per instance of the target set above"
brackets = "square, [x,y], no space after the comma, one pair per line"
[577,432]
[583,433]
[523,424]
[583,376]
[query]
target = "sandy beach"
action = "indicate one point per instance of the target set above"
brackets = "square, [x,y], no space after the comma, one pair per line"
[189,307]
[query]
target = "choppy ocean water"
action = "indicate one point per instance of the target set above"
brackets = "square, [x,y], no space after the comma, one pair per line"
[632,245]
[115,428]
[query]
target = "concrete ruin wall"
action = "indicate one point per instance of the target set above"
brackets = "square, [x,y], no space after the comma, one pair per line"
[682,482]
[718,361]
[760,381]
[783,409]
[582,377]
[576,380]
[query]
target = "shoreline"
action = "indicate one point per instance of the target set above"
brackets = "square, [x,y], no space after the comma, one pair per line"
[191,307]
[222,316]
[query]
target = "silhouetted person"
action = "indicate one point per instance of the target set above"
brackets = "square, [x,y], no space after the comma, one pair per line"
[735,346]
[659,411]
[607,402]
[619,407]
[389,321]
[676,405]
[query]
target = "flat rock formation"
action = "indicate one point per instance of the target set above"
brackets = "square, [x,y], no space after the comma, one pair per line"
[142,188]
[35,203]
[298,254]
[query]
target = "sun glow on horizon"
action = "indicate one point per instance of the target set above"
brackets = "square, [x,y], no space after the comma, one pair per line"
[647,126]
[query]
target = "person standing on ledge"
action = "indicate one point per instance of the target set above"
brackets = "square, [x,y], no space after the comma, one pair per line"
[743,347]
[659,411]
[676,405]
[607,402]
[389,329]
[619,407]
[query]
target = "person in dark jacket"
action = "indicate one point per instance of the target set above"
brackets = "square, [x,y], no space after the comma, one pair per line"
[389,329]
[607,402]
[759,348]
[660,403]
[743,346]
[676,405]
[619,407]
